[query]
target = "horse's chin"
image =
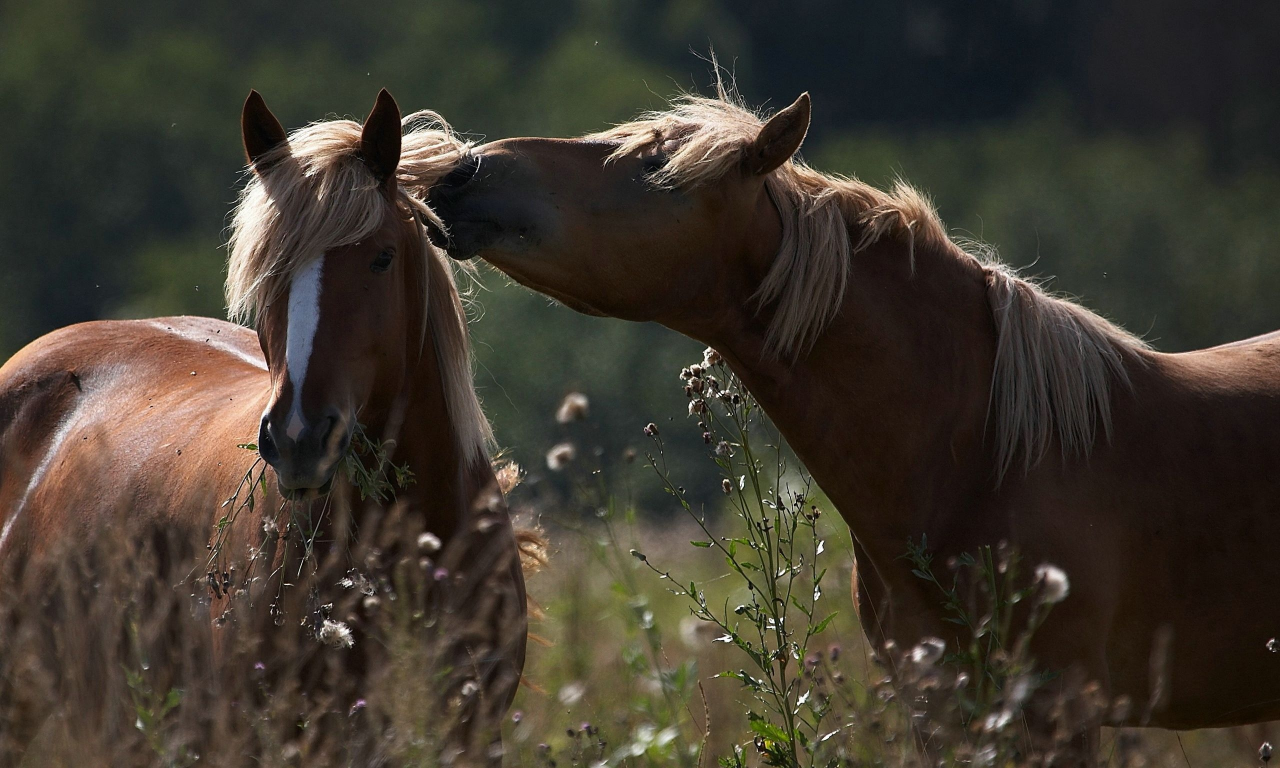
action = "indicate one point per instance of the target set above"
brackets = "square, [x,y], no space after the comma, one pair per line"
[305,494]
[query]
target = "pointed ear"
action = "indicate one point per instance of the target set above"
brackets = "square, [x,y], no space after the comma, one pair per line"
[260,130]
[779,139]
[380,139]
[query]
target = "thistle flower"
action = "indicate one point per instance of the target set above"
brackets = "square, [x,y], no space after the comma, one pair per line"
[698,406]
[929,651]
[574,407]
[560,456]
[711,357]
[428,542]
[651,429]
[1054,583]
[335,634]
[571,694]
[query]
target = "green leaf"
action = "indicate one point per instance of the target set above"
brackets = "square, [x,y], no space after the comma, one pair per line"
[769,731]
[702,544]
[823,624]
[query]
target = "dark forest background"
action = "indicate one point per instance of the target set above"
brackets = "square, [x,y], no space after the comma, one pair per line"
[1130,149]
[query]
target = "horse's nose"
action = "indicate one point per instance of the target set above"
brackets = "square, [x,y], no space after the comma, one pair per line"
[306,460]
[266,443]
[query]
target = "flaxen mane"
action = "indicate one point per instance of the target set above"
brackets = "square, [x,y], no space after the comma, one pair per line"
[1055,360]
[317,194]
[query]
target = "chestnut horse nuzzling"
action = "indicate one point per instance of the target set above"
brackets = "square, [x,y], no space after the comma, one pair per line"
[928,390]
[359,327]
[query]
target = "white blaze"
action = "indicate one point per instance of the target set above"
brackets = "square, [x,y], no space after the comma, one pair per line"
[304,318]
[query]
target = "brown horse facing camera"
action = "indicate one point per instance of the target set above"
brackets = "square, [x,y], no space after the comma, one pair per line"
[929,391]
[359,326]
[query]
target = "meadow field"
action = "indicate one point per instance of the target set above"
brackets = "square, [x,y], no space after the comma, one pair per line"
[724,637]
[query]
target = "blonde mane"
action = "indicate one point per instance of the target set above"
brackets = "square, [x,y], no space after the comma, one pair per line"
[317,194]
[1055,360]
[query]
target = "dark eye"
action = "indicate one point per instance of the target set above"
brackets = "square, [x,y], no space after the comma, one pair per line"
[383,262]
[657,158]
[653,163]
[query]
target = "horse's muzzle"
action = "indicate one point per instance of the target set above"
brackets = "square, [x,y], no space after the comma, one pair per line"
[309,460]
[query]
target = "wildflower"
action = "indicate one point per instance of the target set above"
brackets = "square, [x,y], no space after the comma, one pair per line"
[706,438]
[651,429]
[1054,583]
[929,651]
[834,652]
[428,542]
[517,716]
[698,406]
[259,667]
[335,634]
[1273,646]
[723,449]
[726,486]
[560,455]
[574,407]
[685,374]
[357,706]
[470,688]
[1264,752]
[637,554]
[440,574]
[695,633]
[571,694]
[711,357]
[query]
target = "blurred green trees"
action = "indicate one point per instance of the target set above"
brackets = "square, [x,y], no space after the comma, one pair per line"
[1034,129]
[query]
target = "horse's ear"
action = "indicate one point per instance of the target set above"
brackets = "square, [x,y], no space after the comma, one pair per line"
[260,130]
[779,139]
[380,139]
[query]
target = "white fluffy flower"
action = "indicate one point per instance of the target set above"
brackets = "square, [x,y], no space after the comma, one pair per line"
[560,456]
[428,542]
[1054,583]
[335,634]
[929,651]
[574,407]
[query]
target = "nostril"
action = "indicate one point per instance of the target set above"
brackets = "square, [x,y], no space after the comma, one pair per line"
[266,444]
[463,172]
[332,419]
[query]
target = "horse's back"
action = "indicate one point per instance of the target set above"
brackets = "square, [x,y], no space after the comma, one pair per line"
[90,412]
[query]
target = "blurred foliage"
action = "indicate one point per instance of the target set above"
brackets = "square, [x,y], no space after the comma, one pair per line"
[1134,160]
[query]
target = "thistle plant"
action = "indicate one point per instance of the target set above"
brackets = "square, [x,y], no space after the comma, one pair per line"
[774,555]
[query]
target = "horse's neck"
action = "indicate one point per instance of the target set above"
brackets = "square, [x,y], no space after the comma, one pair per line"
[888,411]
[445,477]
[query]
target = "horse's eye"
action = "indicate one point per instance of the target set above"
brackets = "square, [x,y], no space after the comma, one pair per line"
[383,261]
[653,163]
